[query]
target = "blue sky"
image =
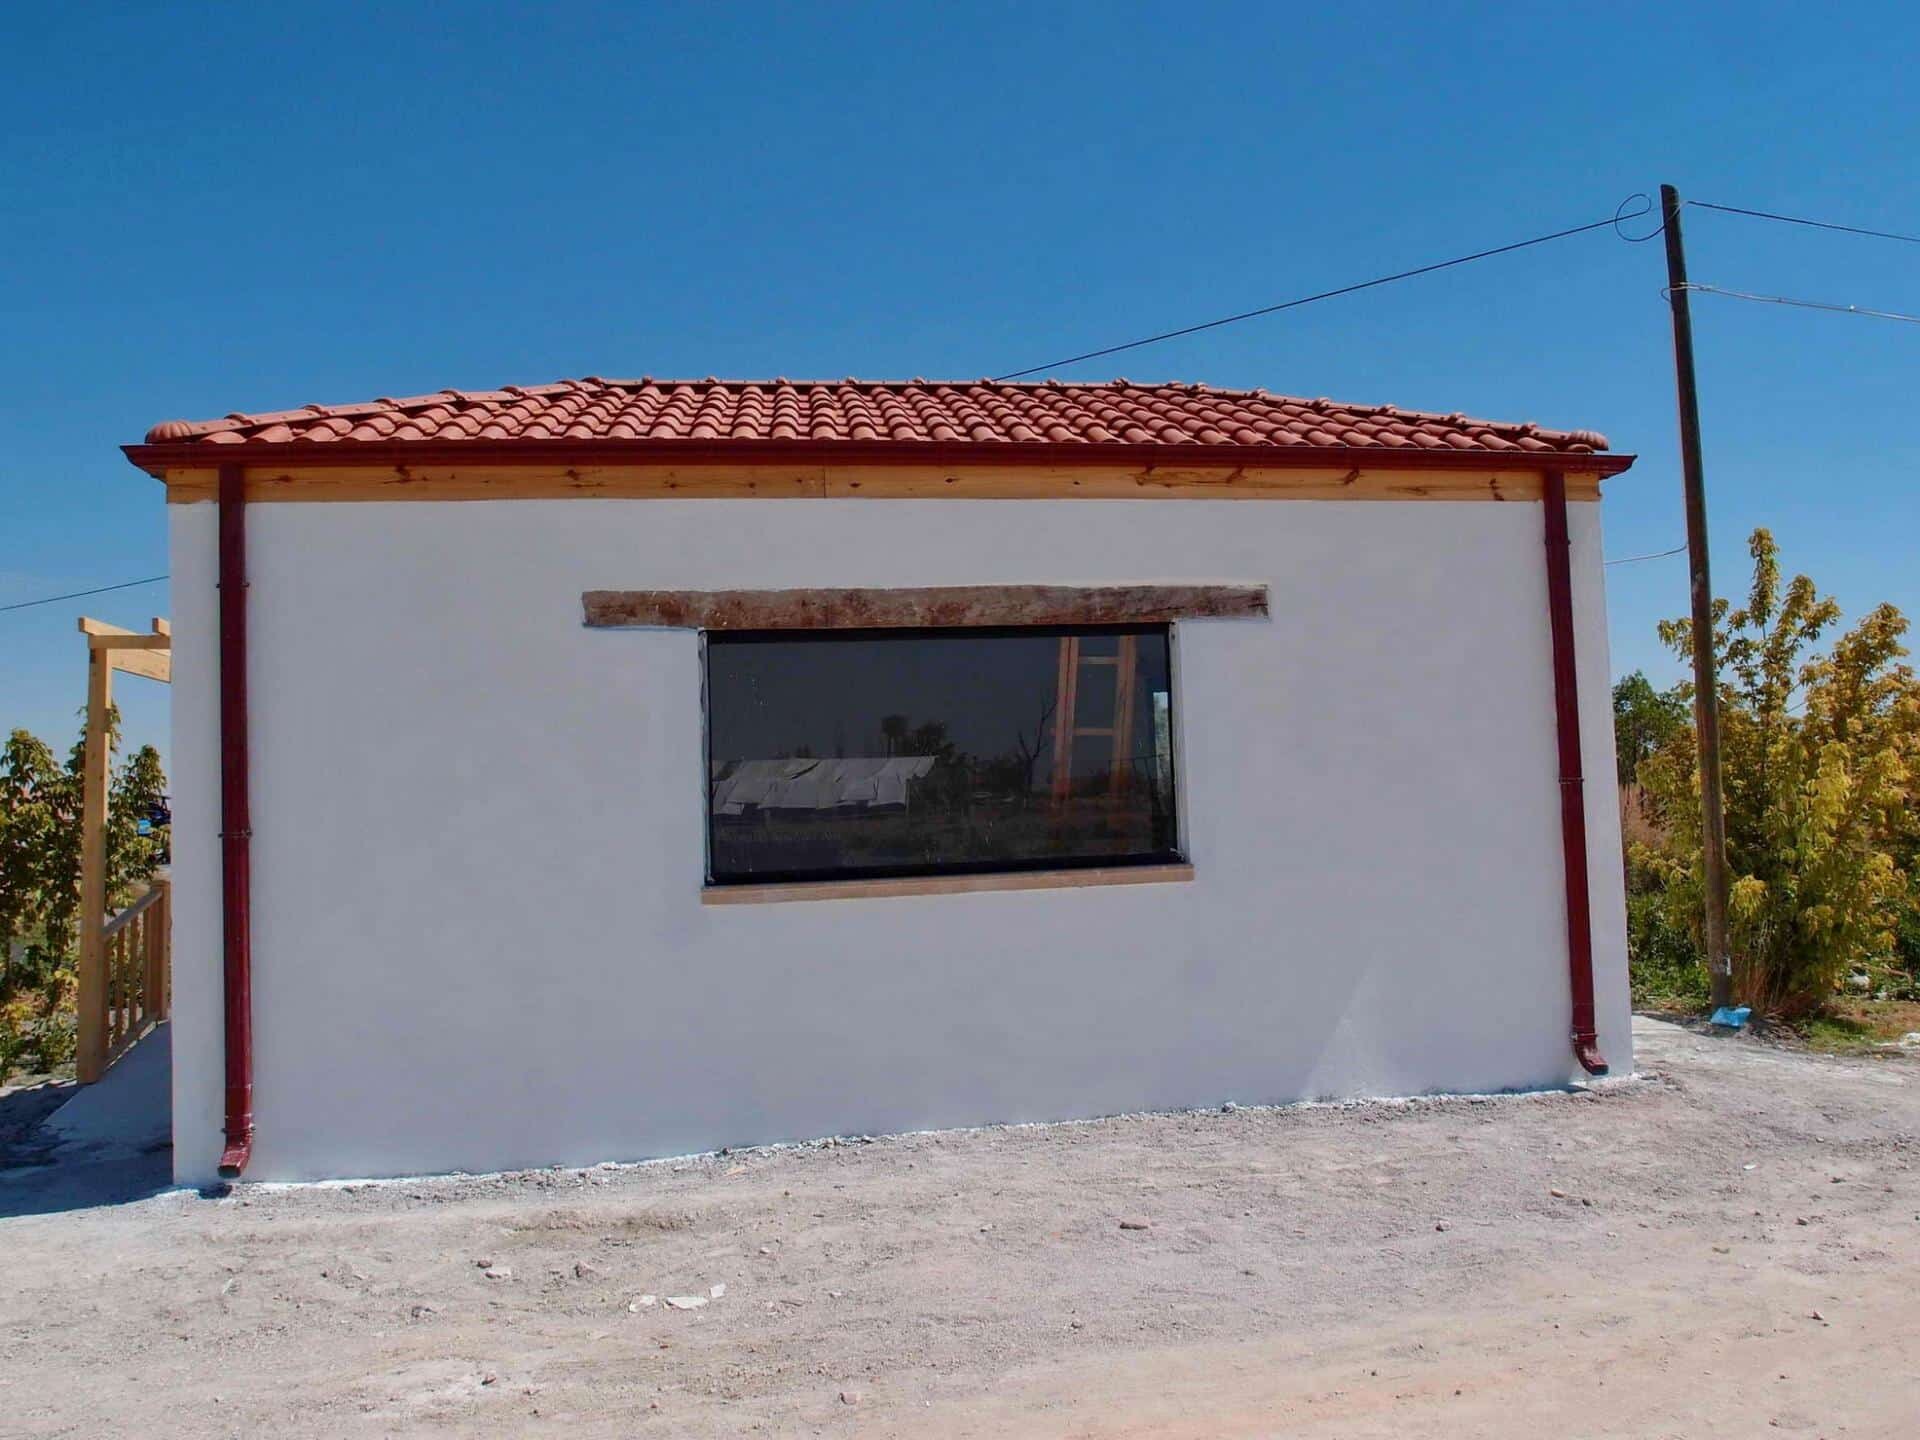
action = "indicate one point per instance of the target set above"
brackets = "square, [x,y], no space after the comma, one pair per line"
[240,208]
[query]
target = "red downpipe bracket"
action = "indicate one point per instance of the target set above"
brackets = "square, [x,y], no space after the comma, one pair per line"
[236,825]
[1573,803]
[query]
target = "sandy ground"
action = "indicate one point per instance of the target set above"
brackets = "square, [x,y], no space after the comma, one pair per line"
[1729,1245]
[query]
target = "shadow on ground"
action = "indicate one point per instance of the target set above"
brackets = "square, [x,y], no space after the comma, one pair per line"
[42,1171]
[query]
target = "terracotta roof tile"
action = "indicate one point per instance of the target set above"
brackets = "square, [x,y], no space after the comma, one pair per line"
[913,411]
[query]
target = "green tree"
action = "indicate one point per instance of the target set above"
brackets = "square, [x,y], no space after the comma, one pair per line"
[1644,719]
[29,789]
[40,882]
[136,791]
[60,865]
[1817,753]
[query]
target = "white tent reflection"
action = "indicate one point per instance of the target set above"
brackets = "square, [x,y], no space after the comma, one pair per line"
[837,784]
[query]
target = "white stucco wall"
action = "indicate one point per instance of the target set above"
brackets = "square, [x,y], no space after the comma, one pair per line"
[477,846]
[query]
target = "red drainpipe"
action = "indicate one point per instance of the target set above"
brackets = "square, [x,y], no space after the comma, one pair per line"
[236,829]
[1573,804]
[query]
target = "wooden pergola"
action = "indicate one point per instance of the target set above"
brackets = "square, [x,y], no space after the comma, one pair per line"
[123,959]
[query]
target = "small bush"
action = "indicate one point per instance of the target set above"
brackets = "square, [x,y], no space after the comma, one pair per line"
[1902,980]
[38,1034]
[16,1033]
[1663,962]
[58,1031]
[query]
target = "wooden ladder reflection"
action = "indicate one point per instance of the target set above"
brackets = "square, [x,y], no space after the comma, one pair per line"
[1065,731]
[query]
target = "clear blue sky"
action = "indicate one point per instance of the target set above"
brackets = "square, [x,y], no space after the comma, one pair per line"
[239,208]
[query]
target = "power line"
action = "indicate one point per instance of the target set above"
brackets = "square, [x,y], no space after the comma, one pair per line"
[1801,220]
[77,594]
[1657,555]
[1619,214]
[1808,304]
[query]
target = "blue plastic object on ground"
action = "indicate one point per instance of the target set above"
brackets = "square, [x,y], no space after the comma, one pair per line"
[1732,1016]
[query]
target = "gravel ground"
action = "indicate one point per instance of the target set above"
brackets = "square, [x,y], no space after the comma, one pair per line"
[1725,1245]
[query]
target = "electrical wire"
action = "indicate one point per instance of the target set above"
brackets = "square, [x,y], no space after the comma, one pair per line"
[1801,220]
[1620,213]
[1656,555]
[1805,304]
[77,594]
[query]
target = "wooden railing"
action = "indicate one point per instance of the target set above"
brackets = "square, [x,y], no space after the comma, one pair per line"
[136,961]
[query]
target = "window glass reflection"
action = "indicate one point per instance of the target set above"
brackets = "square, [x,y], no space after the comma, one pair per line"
[873,753]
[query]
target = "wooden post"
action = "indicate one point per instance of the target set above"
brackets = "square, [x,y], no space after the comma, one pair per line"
[159,932]
[106,993]
[91,1058]
[116,990]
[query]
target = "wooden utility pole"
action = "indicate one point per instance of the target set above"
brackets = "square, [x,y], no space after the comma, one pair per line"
[1706,691]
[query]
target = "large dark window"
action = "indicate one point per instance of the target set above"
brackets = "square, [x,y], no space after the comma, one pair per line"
[854,753]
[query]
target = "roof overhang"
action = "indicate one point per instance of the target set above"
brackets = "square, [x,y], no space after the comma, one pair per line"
[158,459]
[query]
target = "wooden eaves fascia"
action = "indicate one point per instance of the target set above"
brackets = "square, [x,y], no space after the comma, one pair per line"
[478,470]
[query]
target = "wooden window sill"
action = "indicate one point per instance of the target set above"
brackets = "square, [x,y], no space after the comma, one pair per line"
[944,884]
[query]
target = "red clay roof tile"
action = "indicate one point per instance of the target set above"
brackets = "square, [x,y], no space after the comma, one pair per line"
[915,411]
